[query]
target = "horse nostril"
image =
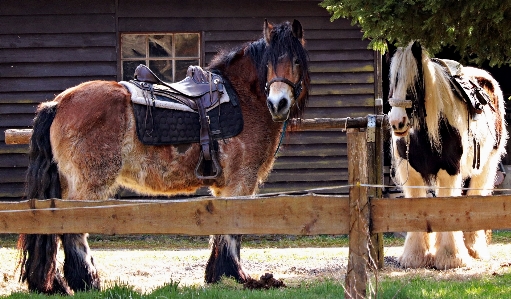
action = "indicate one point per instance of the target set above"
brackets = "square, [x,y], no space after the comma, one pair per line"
[270,105]
[401,125]
[282,104]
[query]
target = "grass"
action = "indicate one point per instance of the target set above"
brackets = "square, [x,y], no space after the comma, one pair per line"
[492,287]
[497,286]
[226,289]
[169,242]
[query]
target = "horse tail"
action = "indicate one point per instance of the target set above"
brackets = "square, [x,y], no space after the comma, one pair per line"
[38,253]
[42,180]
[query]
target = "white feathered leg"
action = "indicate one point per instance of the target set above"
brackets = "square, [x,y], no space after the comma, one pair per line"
[450,247]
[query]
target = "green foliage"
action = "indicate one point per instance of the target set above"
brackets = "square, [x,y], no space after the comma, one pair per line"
[479,30]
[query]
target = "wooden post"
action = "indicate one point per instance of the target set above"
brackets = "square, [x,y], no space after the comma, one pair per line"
[356,276]
[375,177]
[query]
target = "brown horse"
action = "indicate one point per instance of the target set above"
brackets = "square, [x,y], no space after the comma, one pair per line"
[84,146]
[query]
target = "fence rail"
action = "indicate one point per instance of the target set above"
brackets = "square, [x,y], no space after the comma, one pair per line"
[309,214]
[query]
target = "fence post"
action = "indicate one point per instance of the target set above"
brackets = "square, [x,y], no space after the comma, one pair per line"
[375,177]
[356,276]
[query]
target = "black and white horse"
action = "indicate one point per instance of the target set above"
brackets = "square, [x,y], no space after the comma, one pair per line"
[441,141]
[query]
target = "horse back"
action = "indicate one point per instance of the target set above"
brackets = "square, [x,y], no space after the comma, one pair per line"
[496,101]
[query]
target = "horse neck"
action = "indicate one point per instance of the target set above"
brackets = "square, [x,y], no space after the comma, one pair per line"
[242,73]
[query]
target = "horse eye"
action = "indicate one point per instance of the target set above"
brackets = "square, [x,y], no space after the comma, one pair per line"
[297,61]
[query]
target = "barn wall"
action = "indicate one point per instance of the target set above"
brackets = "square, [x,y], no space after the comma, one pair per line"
[45,48]
[49,47]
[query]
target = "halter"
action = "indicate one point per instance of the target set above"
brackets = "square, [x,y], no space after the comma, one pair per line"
[400,103]
[296,87]
[297,90]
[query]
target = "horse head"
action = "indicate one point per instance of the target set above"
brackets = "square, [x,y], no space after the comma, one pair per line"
[406,92]
[286,70]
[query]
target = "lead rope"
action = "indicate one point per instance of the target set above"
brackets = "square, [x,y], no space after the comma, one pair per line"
[282,135]
[395,166]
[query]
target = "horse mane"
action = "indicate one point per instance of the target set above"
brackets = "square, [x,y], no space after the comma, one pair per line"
[430,89]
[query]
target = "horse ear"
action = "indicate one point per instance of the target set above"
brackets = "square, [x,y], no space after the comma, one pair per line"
[267,31]
[417,50]
[297,29]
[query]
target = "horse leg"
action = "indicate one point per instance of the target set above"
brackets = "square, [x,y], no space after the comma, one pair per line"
[450,248]
[416,250]
[39,264]
[482,184]
[225,257]
[79,269]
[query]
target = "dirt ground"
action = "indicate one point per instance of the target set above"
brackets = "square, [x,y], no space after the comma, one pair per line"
[149,269]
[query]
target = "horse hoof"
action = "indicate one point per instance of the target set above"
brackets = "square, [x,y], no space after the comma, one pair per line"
[447,261]
[240,277]
[58,286]
[416,261]
[481,254]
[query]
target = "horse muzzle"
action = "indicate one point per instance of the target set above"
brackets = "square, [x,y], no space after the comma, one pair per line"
[399,121]
[279,108]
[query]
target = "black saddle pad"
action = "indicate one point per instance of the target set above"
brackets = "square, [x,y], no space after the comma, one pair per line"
[159,126]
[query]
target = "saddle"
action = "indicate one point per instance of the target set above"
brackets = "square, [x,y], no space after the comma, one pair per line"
[197,109]
[468,90]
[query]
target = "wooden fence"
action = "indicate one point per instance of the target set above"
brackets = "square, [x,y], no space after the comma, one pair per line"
[362,215]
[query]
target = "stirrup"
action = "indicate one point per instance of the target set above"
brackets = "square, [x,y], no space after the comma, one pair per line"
[216,169]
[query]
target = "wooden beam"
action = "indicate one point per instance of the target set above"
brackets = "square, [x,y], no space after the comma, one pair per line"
[296,215]
[17,136]
[356,275]
[438,214]
[280,215]
[334,123]
[22,136]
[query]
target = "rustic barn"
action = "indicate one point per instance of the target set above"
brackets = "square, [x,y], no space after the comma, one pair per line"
[48,46]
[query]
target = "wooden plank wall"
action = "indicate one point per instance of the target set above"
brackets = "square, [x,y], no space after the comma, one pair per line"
[47,47]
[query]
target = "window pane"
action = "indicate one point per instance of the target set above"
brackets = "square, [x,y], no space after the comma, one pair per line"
[162,69]
[182,67]
[160,45]
[187,45]
[133,46]
[128,69]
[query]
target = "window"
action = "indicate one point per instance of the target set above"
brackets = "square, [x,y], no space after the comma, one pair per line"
[167,55]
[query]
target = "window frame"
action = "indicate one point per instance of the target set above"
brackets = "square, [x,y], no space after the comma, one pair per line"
[173,58]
